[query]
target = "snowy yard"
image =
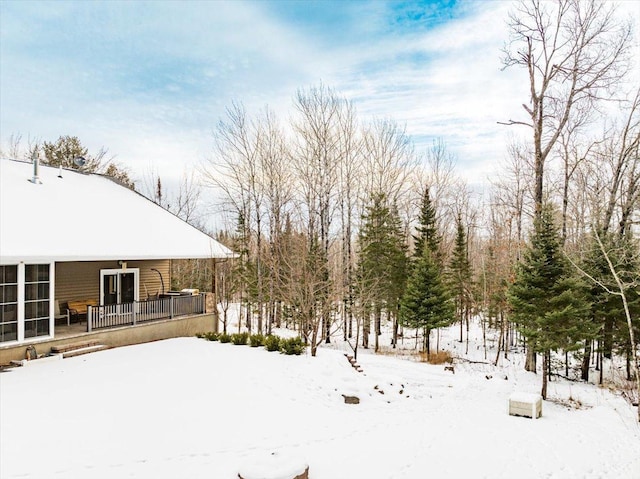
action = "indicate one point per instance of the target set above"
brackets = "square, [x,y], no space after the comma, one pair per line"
[192,408]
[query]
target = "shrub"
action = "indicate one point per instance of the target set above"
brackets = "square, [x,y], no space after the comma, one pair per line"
[272,343]
[200,335]
[224,338]
[211,336]
[256,340]
[292,346]
[240,339]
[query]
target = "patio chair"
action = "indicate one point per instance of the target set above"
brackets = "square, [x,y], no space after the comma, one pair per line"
[58,315]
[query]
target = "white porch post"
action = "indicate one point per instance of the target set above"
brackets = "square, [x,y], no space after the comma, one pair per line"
[52,299]
[21,301]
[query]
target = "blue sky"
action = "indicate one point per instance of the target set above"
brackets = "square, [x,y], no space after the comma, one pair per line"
[150,80]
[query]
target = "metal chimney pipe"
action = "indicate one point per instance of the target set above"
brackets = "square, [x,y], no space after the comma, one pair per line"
[36,168]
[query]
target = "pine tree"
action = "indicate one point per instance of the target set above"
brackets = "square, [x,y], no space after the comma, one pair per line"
[460,276]
[382,264]
[427,230]
[66,149]
[426,303]
[242,270]
[607,311]
[548,303]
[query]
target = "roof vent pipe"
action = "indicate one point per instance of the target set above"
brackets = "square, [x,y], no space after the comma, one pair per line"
[36,167]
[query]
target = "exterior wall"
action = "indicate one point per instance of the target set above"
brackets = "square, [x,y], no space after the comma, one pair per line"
[144,333]
[81,280]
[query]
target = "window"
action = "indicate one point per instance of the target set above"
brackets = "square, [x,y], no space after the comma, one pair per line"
[36,300]
[8,303]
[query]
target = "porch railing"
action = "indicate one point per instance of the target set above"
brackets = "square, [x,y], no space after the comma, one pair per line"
[127,314]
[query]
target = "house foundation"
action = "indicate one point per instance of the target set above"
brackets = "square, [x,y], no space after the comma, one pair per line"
[124,336]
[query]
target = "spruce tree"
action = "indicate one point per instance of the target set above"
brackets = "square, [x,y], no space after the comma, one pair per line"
[548,302]
[382,264]
[426,229]
[460,275]
[426,303]
[607,311]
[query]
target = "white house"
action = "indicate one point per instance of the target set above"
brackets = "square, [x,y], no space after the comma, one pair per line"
[69,238]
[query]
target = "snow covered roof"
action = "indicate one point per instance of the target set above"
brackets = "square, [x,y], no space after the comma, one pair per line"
[88,217]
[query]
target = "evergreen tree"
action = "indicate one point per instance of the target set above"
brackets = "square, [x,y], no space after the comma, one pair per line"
[460,275]
[548,303]
[427,230]
[66,149]
[383,263]
[426,303]
[242,270]
[607,311]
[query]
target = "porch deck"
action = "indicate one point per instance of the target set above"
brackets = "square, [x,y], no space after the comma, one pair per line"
[126,324]
[70,331]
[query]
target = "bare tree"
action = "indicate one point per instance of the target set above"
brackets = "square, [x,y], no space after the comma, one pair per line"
[350,171]
[390,161]
[277,184]
[232,171]
[14,147]
[574,52]
[620,152]
[321,147]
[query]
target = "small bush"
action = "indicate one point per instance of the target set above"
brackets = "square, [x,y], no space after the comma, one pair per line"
[200,335]
[256,340]
[211,336]
[240,339]
[224,338]
[272,343]
[292,346]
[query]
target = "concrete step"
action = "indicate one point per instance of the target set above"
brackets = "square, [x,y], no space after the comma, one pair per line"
[63,348]
[86,350]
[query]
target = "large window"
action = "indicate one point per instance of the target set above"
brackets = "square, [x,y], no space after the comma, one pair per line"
[36,300]
[8,303]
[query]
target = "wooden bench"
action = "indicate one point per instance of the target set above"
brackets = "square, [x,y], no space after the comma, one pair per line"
[78,307]
[526,405]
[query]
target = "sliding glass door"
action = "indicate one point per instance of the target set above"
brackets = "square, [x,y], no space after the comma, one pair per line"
[119,286]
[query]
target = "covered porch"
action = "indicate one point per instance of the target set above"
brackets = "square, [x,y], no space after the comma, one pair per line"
[169,306]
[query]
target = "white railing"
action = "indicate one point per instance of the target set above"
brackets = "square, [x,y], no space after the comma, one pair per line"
[128,314]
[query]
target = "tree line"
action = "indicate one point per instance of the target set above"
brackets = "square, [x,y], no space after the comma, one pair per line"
[342,226]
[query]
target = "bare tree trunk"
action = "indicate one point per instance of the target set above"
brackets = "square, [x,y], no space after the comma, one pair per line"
[376,334]
[586,360]
[545,366]
[366,327]
[501,338]
[530,361]
[395,329]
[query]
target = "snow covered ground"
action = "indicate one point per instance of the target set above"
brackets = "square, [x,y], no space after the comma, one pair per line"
[192,408]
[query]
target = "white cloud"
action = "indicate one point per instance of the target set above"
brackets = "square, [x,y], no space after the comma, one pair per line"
[163,73]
